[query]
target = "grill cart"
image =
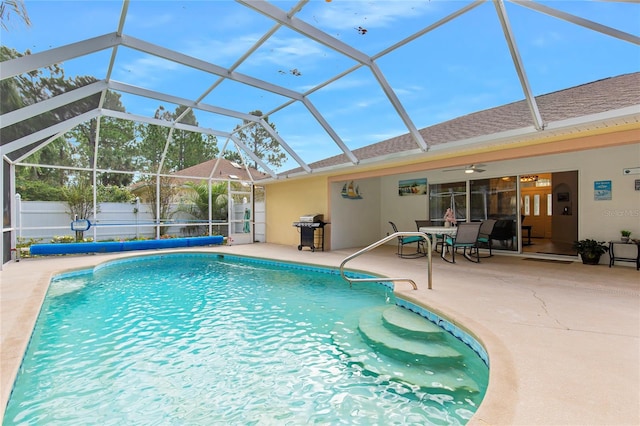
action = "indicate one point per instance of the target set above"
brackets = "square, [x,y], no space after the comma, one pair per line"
[307,226]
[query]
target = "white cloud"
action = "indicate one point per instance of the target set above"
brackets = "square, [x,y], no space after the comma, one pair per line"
[408,90]
[544,40]
[291,50]
[346,83]
[219,51]
[145,71]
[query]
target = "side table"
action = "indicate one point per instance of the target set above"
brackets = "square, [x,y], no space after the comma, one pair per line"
[613,257]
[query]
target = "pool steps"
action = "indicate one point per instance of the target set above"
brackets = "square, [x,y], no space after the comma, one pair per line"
[394,342]
[402,321]
[405,348]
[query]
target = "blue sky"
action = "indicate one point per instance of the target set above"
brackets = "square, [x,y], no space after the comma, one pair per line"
[456,69]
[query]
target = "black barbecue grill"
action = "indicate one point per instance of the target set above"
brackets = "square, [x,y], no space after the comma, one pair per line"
[307,227]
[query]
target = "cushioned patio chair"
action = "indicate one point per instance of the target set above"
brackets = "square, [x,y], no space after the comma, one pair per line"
[403,241]
[466,238]
[484,238]
[504,231]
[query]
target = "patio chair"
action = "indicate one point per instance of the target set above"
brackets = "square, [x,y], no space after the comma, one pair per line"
[420,223]
[504,231]
[436,240]
[403,241]
[466,238]
[484,237]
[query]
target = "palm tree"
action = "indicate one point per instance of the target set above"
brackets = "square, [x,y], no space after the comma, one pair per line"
[198,204]
[17,8]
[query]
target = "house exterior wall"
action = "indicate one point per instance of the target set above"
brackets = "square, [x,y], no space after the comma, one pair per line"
[288,200]
[356,218]
[356,223]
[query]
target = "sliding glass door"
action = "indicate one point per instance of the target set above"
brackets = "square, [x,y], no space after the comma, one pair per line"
[447,195]
[497,198]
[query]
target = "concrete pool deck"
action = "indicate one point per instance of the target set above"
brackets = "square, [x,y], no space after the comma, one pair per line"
[563,338]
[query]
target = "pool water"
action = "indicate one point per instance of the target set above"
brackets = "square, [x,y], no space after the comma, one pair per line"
[201,339]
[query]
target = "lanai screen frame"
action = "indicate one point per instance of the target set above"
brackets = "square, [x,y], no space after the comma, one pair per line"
[113,41]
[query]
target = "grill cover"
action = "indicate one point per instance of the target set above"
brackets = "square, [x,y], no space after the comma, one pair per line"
[312,217]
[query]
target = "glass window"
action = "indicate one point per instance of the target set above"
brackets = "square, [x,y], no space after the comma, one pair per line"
[496,198]
[447,195]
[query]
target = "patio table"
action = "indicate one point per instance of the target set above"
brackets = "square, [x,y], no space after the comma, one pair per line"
[432,231]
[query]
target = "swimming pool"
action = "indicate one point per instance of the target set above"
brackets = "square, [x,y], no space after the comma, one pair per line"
[211,339]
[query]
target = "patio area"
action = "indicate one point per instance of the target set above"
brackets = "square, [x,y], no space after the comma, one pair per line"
[563,338]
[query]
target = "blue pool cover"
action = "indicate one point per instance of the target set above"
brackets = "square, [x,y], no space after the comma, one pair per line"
[115,246]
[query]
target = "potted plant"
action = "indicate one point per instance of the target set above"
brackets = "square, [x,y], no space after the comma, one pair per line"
[625,235]
[590,250]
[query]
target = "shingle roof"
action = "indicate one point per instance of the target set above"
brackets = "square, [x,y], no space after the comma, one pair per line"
[591,98]
[226,170]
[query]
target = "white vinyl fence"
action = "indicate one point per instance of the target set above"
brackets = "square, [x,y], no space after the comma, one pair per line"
[44,220]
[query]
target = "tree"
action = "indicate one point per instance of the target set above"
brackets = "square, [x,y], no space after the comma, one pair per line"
[186,148]
[117,149]
[261,143]
[233,156]
[7,7]
[151,146]
[27,89]
[165,197]
[10,99]
[198,205]
[37,190]
[79,199]
[114,194]
[58,152]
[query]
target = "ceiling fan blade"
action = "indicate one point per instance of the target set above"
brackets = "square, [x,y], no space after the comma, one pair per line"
[473,167]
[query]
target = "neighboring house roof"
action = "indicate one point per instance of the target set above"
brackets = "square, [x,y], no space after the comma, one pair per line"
[225,170]
[610,94]
[201,172]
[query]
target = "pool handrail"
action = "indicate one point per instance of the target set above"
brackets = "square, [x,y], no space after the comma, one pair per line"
[383,241]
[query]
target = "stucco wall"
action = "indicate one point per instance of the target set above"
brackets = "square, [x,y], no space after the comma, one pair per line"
[356,222]
[287,201]
[603,219]
[401,210]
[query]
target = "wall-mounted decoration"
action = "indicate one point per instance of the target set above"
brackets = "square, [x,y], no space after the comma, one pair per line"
[563,196]
[412,187]
[602,190]
[351,191]
[637,184]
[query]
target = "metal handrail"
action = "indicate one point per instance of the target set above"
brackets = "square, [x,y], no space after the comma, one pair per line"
[379,243]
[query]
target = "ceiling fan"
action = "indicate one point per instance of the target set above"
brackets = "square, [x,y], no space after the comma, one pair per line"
[472,168]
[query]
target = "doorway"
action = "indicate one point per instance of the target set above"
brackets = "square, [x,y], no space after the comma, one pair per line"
[549,212]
